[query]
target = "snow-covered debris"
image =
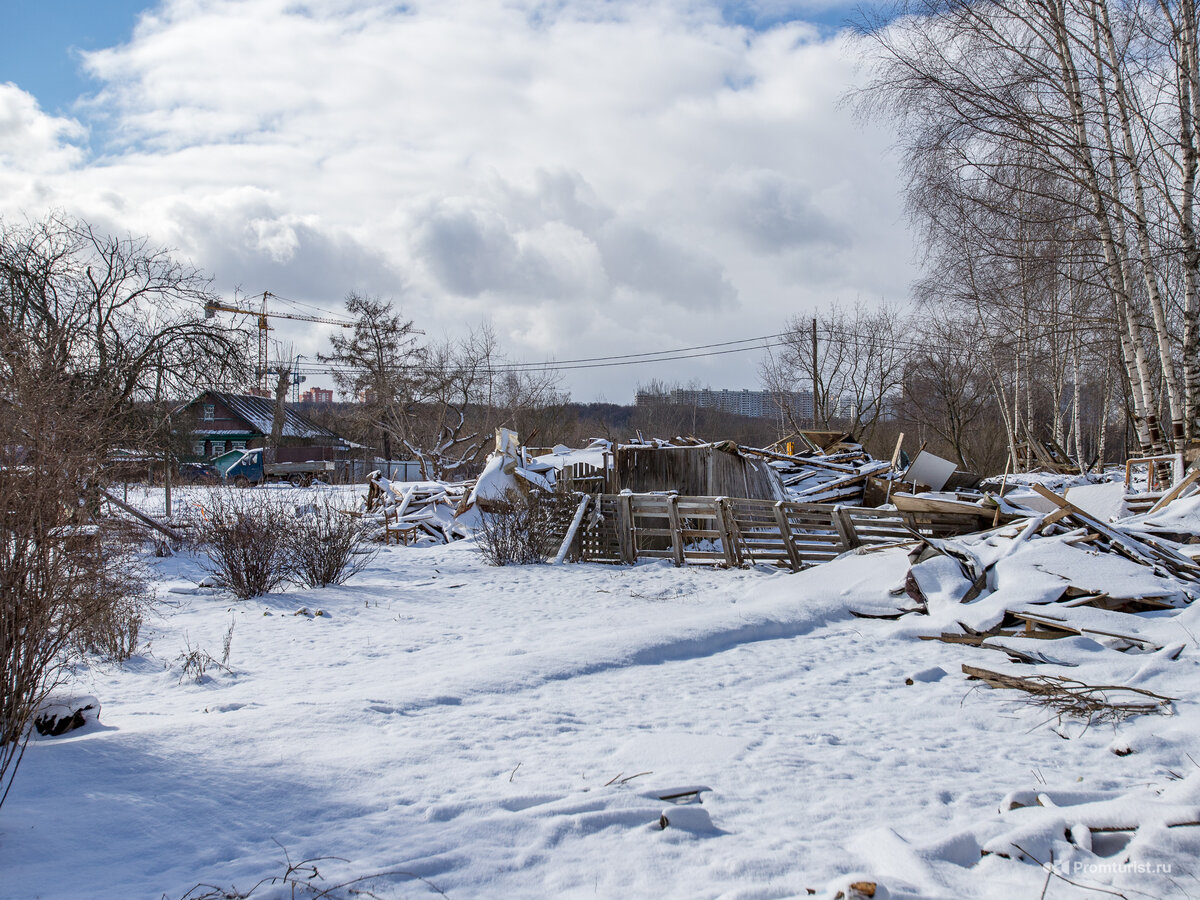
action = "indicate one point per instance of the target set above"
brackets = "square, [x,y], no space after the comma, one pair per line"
[814,476]
[415,511]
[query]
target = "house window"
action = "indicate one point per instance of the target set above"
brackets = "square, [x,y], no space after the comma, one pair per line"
[218,447]
[210,412]
[237,445]
[198,448]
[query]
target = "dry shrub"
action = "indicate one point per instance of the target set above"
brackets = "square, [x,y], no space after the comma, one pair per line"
[65,584]
[328,545]
[525,527]
[246,536]
[111,622]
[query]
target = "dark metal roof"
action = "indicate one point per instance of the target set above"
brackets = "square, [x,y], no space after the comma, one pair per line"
[259,413]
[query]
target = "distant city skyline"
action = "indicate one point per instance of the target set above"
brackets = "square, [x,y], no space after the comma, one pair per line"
[755,404]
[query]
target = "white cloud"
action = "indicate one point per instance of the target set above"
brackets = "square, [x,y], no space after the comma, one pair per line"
[34,147]
[596,177]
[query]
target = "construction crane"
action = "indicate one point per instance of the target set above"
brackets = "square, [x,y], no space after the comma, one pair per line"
[213,307]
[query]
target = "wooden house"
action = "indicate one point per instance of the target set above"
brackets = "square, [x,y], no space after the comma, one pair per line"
[220,422]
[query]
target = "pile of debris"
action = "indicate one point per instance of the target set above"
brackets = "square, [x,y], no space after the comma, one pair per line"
[410,512]
[1099,591]
[822,477]
[829,467]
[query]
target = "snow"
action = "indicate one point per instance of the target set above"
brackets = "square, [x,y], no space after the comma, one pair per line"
[512,732]
[597,454]
[1104,501]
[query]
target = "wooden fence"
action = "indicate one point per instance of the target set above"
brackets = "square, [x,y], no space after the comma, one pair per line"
[727,531]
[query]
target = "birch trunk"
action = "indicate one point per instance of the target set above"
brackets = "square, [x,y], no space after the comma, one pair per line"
[1142,229]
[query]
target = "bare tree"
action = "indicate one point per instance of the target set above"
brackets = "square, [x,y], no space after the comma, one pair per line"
[946,390]
[123,318]
[1063,114]
[283,381]
[376,364]
[851,362]
[67,585]
[433,424]
[529,402]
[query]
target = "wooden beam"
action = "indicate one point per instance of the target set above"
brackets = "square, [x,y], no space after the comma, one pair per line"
[171,533]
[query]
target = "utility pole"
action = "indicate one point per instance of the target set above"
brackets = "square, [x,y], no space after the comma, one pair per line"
[814,372]
[167,473]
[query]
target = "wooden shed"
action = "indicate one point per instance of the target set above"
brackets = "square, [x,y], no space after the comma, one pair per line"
[700,470]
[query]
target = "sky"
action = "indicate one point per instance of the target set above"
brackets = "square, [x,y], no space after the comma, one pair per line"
[587,177]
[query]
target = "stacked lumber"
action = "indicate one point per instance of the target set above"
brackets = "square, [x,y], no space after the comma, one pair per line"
[414,511]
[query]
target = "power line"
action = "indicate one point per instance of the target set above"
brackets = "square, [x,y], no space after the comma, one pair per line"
[599,362]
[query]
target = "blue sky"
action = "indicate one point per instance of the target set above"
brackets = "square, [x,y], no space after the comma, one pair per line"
[588,177]
[41,40]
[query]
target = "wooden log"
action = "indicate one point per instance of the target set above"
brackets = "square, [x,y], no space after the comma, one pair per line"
[170,533]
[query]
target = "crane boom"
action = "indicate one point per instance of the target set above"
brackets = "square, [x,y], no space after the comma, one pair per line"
[213,307]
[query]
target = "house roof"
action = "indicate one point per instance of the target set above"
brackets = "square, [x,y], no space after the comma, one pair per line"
[259,413]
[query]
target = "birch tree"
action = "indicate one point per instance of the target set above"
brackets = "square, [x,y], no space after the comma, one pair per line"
[1094,104]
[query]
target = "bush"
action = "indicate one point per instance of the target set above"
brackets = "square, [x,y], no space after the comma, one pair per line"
[525,527]
[66,585]
[247,538]
[111,628]
[328,545]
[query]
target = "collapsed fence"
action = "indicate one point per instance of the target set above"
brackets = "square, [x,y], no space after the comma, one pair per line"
[727,531]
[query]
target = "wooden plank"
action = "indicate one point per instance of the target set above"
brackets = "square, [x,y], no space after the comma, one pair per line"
[1178,489]
[1062,624]
[676,531]
[1124,543]
[624,504]
[170,533]
[845,528]
[728,543]
[911,503]
[565,547]
[836,484]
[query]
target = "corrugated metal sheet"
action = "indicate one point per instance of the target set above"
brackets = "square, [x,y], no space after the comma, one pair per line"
[259,412]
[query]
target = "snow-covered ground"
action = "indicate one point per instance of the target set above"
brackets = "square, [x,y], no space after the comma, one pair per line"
[509,732]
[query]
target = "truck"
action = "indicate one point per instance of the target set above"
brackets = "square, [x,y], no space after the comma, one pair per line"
[246,467]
